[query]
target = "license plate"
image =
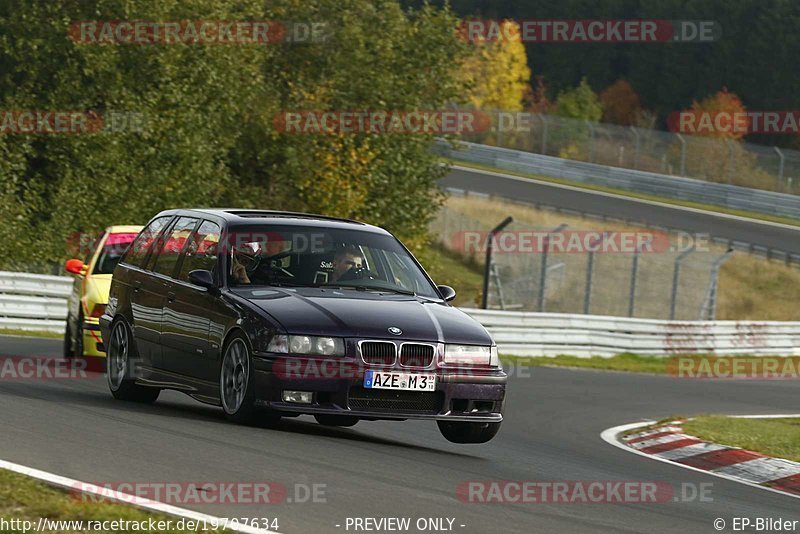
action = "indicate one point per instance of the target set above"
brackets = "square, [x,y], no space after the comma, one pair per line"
[405,381]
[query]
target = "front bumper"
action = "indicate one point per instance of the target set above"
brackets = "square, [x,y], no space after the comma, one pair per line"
[337,387]
[92,338]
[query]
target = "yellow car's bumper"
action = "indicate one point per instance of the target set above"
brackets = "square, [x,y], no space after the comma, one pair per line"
[92,338]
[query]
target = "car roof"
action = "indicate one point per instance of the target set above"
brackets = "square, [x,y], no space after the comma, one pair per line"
[246,217]
[124,229]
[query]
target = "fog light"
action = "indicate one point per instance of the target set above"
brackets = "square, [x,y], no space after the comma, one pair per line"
[299,397]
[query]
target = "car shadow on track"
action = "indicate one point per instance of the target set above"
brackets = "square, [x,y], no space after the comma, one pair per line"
[192,410]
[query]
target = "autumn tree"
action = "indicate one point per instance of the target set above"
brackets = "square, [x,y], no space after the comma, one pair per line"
[620,103]
[579,103]
[497,71]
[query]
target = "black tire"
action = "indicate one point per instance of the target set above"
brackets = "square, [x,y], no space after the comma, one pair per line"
[68,352]
[120,364]
[236,384]
[461,432]
[336,420]
[79,336]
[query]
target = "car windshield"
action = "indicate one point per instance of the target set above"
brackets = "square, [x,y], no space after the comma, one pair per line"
[296,256]
[114,247]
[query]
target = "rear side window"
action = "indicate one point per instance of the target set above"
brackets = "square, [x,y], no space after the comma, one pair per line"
[201,253]
[138,251]
[170,251]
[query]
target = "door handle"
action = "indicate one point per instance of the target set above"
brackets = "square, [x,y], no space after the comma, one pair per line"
[171,296]
[137,285]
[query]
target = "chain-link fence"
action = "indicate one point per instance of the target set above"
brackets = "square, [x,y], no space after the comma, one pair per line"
[705,158]
[536,269]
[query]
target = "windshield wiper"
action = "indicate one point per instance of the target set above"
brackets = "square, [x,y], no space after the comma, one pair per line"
[374,288]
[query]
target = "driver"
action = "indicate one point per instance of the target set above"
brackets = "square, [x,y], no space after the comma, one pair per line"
[243,256]
[349,257]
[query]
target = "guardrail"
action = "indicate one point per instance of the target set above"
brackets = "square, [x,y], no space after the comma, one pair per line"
[663,185]
[38,302]
[33,301]
[551,334]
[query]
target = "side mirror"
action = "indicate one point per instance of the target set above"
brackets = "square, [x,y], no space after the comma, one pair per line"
[75,266]
[447,292]
[202,278]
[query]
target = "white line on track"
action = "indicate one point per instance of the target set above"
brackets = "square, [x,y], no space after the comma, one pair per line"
[631,199]
[611,436]
[125,498]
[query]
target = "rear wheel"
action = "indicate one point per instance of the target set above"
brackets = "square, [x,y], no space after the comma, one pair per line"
[79,336]
[336,420]
[68,352]
[121,354]
[461,432]
[236,388]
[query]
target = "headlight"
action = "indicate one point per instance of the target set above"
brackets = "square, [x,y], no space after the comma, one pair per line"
[299,344]
[307,345]
[278,343]
[469,355]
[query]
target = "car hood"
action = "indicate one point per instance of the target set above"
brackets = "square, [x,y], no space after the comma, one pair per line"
[366,314]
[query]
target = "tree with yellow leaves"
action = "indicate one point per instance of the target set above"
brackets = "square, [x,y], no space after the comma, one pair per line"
[497,71]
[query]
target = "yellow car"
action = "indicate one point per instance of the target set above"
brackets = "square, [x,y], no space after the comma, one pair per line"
[82,338]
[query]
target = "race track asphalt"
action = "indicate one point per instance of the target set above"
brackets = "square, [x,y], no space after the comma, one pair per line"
[764,234]
[378,469]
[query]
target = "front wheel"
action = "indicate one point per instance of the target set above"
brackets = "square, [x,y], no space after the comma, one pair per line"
[121,382]
[461,432]
[236,388]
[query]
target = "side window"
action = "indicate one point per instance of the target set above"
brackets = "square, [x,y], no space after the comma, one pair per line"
[170,251]
[137,253]
[201,253]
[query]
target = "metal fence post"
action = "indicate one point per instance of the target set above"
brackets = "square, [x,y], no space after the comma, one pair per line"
[730,160]
[636,147]
[781,162]
[587,296]
[683,154]
[543,272]
[634,276]
[591,140]
[675,278]
[487,268]
[711,297]
[544,133]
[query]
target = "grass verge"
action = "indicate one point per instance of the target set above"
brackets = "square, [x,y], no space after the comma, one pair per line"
[685,366]
[773,437]
[30,333]
[633,363]
[632,194]
[27,499]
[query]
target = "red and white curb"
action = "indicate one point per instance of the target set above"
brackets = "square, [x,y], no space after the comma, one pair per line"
[668,443]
